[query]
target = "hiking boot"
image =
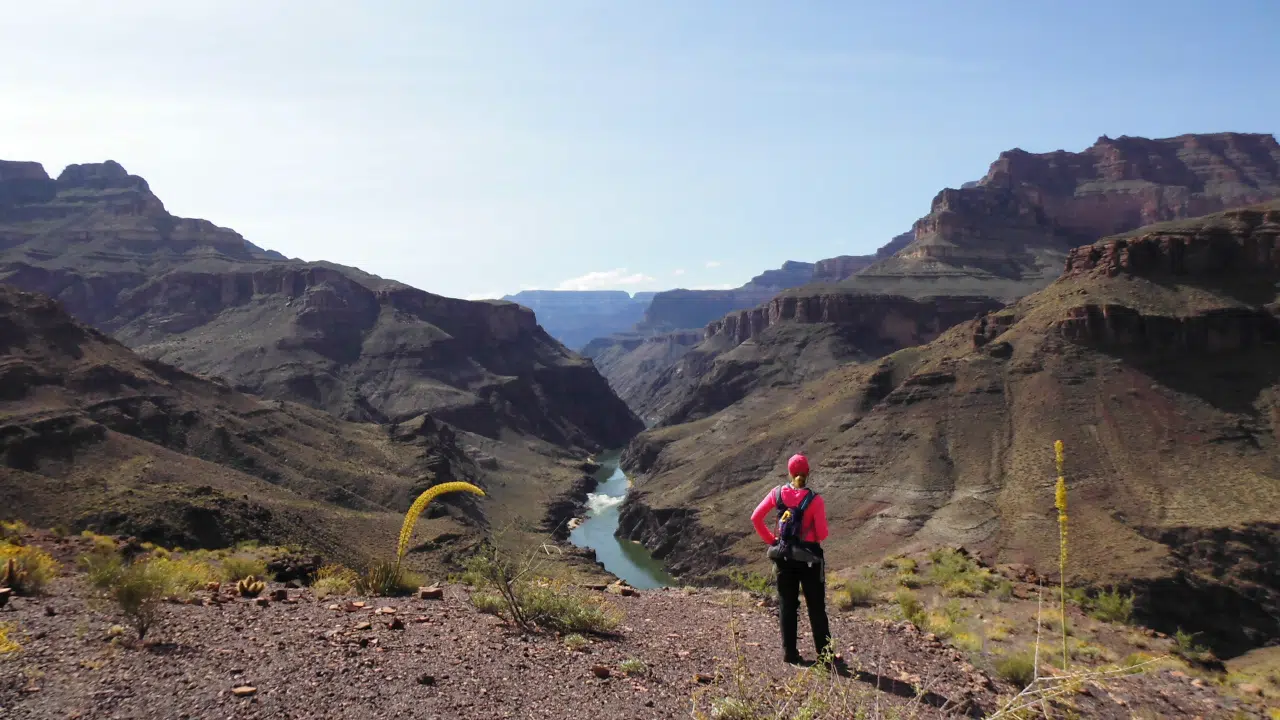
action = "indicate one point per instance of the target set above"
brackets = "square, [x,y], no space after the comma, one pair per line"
[792,658]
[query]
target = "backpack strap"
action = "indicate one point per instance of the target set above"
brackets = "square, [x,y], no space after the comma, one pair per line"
[804,504]
[777,498]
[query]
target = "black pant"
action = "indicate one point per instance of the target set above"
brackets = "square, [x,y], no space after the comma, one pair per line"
[792,576]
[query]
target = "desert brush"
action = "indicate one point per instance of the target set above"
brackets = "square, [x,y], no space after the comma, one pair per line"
[7,645]
[26,569]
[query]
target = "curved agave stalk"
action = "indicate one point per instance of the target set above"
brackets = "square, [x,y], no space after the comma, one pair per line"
[411,517]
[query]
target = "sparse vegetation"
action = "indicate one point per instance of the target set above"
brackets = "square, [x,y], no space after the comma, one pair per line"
[1186,647]
[185,574]
[1018,669]
[11,531]
[633,666]
[751,581]
[241,565]
[854,594]
[334,580]
[576,642]
[911,607]
[26,569]
[1111,606]
[387,579]
[744,693]
[7,644]
[999,630]
[139,589]
[958,575]
[514,591]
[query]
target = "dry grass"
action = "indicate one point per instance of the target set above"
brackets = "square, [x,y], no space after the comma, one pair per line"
[242,565]
[857,593]
[7,644]
[524,592]
[26,569]
[334,580]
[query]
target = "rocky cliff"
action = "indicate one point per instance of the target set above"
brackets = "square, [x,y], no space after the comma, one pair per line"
[1008,234]
[630,360]
[793,337]
[890,322]
[1154,358]
[199,296]
[839,268]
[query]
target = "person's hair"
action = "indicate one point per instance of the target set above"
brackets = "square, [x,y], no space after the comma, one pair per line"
[798,480]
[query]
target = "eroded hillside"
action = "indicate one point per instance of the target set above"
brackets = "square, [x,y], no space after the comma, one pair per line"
[1155,358]
[94,437]
[202,298]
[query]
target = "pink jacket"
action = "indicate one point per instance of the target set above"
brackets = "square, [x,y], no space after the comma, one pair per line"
[813,527]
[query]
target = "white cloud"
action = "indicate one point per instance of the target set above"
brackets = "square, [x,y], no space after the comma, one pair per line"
[713,263]
[604,280]
[492,295]
[678,271]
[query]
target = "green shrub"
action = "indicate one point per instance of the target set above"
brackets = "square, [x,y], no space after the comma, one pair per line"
[1019,669]
[7,645]
[1078,597]
[1111,606]
[101,567]
[185,574]
[576,642]
[139,589]
[854,594]
[553,606]
[960,576]
[750,581]
[387,579]
[31,571]
[1186,646]
[239,567]
[11,531]
[1003,589]
[334,580]
[911,607]
[633,666]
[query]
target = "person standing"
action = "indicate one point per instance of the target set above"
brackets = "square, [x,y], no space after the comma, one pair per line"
[796,550]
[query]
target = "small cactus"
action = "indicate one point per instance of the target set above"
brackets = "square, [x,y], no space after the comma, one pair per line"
[250,587]
[13,577]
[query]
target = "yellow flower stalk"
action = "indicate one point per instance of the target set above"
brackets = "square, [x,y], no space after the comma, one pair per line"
[1060,502]
[411,517]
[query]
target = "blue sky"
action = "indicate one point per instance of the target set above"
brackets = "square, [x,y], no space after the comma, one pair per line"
[477,148]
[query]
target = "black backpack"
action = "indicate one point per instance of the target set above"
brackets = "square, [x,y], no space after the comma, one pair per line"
[789,523]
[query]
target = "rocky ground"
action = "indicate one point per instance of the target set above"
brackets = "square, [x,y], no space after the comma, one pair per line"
[402,657]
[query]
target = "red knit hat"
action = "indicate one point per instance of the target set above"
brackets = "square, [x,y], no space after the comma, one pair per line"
[797,465]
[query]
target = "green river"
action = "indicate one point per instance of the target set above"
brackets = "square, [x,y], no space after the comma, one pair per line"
[628,560]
